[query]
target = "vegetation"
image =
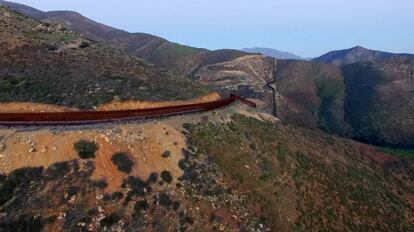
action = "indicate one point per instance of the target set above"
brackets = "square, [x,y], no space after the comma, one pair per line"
[23,223]
[166,176]
[83,77]
[164,200]
[330,91]
[57,170]
[166,154]
[329,189]
[122,161]
[407,153]
[110,220]
[361,80]
[141,205]
[86,149]
[19,178]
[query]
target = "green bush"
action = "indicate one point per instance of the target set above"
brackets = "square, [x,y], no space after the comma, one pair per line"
[110,220]
[166,176]
[19,177]
[2,178]
[57,170]
[86,149]
[141,206]
[84,44]
[122,161]
[187,126]
[23,223]
[164,200]
[166,154]
[152,178]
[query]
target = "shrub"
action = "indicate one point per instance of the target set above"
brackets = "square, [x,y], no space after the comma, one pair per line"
[6,192]
[166,154]
[137,186]
[122,161]
[153,177]
[166,176]
[86,149]
[141,206]
[99,184]
[164,200]
[2,178]
[117,196]
[183,164]
[189,220]
[84,44]
[25,175]
[187,126]
[176,205]
[57,170]
[72,191]
[110,220]
[22,223]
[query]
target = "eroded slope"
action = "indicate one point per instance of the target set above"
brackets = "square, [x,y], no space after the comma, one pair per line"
[233,169]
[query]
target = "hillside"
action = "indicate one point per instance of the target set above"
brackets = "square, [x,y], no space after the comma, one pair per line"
[233,169]
[49,64]
[273,53]
[380,101]
[369,101]
[310,94]
[172,56]
[355,55]
[246,76]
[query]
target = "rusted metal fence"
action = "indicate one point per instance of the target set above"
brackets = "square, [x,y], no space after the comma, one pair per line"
[91,117]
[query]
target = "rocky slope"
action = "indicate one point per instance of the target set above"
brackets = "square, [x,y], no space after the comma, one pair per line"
[46,63]
[233,169]
[355,55]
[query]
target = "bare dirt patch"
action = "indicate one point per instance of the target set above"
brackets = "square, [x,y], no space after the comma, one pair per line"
[130,105]
[21,107]
[145,143]
[16,107]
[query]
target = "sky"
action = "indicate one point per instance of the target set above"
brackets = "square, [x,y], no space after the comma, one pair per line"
[308,28]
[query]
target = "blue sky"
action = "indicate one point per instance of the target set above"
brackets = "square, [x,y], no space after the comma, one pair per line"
[308,28]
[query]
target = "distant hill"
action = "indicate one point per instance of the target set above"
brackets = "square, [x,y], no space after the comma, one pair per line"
[273,53]
[355,55]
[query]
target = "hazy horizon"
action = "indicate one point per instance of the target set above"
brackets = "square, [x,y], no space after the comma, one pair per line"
[305,28]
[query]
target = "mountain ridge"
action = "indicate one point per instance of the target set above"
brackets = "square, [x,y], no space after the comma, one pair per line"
[273,53]
[49,64]
[179,58]
[357,54]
